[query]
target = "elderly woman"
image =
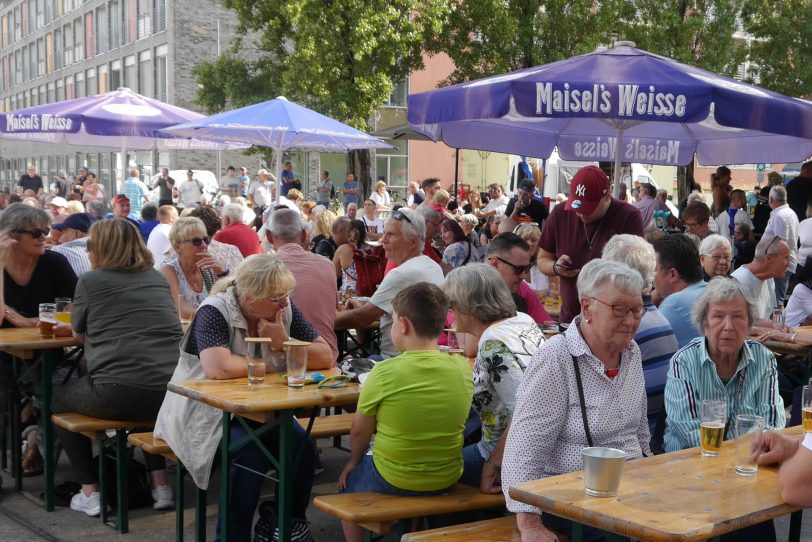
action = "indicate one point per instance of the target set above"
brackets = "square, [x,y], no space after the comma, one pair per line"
[123,315]
[553,420]
[192,272]
[343,261]
[381,196]
[459,250]
[255,303]
[716,256]
[469,223]
[483,307]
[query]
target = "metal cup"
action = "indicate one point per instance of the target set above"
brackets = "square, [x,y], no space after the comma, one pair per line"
[603,468]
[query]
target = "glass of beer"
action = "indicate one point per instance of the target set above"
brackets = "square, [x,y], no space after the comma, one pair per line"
[63,307]
[749,437]
[806,408]
[713,415]
[456,342]
[47,319]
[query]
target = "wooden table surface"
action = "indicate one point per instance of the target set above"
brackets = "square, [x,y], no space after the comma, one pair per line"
[793,349]
[679,496]
[260,404]
[19,341]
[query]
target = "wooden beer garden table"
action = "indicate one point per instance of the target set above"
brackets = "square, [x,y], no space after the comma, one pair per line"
[272,404]
[22,343]
[678,496]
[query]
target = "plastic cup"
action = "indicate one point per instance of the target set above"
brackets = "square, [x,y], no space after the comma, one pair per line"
[47,319]
[603,469]
[749,436]
[296,359]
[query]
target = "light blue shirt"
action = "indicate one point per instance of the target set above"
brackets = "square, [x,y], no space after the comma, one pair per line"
[753,389]
[677,310]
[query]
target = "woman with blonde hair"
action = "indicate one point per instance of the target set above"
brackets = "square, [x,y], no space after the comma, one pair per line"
[74,207]
[307,209]
[255,303]
[322,227]
[530,232]
[123,316]
[381,197]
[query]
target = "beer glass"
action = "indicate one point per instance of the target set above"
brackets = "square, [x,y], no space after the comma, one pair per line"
[47,319]
[749,437]
[456,344]
[806,408]
[187,307]
[296,360]
[713,415]
[256,364]
[63,308]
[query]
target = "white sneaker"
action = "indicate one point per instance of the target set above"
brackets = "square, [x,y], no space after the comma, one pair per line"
[162,495]
[89,505]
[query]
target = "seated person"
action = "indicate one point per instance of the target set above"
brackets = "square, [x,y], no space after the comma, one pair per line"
[795,475]
[799,307]
[715,256]
[417,403]
[124,315]
[770,262]
[254,303]
[483,307]
[510,255]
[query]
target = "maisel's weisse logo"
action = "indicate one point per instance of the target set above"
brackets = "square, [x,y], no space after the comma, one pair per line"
[625,101]
[37,123]
[634,149]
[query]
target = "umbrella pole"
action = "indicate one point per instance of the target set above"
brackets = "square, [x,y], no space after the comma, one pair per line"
[124,166]
[278,169]
[456,173]
[618,169]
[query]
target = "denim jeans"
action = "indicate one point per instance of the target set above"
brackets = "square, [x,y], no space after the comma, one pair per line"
[365,477]
[473,462]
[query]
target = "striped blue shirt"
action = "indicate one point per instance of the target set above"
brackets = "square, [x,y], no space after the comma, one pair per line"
[657,343]
[753,389]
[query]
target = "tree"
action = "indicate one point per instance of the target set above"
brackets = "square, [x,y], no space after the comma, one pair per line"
[339,57]
[781,51]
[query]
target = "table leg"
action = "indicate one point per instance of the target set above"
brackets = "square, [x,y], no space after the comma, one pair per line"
[14,427]
[286,474]
[795,520]
[48,428]
[225,444]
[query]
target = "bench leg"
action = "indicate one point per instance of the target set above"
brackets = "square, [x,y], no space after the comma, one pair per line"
[122,458]
[795,520]
[14,428]
[225,467]
[48,428]
[200,515]
[4,443]
[179,503]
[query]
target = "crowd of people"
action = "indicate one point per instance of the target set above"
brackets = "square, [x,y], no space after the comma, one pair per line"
[652,320]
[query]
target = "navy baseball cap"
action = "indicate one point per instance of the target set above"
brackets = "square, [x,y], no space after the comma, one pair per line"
[78,221]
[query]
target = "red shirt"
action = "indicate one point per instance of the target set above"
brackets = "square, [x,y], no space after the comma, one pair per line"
[241,236]
[564,233]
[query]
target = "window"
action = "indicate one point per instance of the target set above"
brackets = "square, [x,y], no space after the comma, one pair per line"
[67,32]
[129,20]
[59,50]
[49,53]
[399,94]
[144,18]
[18,24]
[40,4]
[102,30]
[90,41]
[145,85]
[81,91]
[159,15]
[69,90]
[40,57]
[92,82]
[116,37]
[60,90]
[130,80]
[103,79]
[30,13]
[32,60]
[34,99]
[51,92]
[4,31]
[78,40]
[161,73]
[115,75]
[43,98]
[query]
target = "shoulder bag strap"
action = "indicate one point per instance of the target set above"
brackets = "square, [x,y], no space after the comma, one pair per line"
[582,401]
[467,258]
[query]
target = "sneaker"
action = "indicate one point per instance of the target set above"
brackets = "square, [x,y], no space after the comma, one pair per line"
[89,505]
[162,495]
[299,532]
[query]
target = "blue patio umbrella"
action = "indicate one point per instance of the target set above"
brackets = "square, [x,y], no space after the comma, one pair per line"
[620,104]
[281,125]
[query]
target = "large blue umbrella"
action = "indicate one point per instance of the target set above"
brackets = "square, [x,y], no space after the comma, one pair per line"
[620,104]
[281,125]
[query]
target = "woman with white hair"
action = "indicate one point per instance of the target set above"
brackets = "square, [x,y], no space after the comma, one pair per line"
[655,336]
[582,388]
[469,223]
[716,256]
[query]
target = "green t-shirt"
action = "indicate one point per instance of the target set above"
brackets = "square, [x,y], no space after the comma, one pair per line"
[421,401]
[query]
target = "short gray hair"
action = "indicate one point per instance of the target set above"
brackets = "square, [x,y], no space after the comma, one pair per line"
[635,252]
[712,242]
[778,193]
[415,227]
[285,225]
[427,213]
[95,208]
[599,272]
[479,291]
[695,196]
[232,211]
[470,219]
[768,245]
[721,290]
[22,216]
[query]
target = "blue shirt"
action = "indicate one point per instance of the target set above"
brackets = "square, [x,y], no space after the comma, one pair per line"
[657,344]
[693,378]
[287,179]
[351,198]
[677,310]
[147,227]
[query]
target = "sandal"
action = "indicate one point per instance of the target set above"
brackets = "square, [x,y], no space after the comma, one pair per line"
[32,462]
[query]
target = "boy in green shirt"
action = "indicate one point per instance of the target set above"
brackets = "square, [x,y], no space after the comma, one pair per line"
[417,403]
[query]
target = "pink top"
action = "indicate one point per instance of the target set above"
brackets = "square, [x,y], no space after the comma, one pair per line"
[534,307]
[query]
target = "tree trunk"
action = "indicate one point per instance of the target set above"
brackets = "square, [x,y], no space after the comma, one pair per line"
[685,181]
[359,163]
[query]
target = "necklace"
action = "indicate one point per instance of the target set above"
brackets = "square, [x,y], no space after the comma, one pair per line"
[589,240]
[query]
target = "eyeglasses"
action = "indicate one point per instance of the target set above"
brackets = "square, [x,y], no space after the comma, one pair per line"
[620,311]
[280,298]
[35,234]
[774,239]
[198,241]
[397,215]
[518,269]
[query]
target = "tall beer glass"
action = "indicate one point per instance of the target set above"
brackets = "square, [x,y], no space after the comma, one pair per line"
[713,415]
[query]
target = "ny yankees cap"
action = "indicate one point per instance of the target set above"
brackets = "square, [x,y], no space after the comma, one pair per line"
[587,188]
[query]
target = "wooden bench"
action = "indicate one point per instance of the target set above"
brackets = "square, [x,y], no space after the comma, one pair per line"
[155,446]
[492,530]
[334,425]
[377,512]
[96,429]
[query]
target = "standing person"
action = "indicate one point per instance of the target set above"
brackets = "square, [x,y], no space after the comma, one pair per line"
[763,209]
[130,335]
[30,180]
[783,223]
[372,222]
[158,240]
[498,203]
[524,208]
[136,191]
[324,190]
[165,184]
[92,190]
[236,233]
[350,190]
[288,179]
[720,189]
[577,231]
[799,191]
[229,184]
[244,181]
[735,213]
[414,195]
[60,186]
[260,195]
[79,180]
[190,191]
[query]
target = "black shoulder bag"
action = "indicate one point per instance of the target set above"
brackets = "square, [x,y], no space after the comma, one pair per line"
[580,385]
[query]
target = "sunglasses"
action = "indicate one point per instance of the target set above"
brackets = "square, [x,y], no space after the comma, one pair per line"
[397,215]
[518,269]
[198,241]
[36,233]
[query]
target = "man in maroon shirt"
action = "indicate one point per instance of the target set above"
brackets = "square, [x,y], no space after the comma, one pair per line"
[236,233]
[576,232]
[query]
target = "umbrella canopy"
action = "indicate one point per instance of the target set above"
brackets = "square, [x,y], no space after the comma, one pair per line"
[620,104]
[281,125]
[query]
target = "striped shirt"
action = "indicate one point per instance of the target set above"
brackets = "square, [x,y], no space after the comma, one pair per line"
[657,343]
[76,253]
[753,389]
